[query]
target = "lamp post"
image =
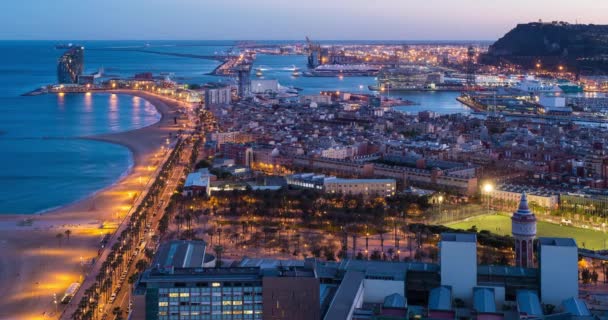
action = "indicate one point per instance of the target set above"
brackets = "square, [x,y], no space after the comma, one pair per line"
[488,188]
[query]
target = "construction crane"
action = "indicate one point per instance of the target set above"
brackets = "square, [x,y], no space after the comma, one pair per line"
[314,54]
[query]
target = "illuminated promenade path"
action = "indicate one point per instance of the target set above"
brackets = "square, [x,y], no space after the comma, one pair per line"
[163,129]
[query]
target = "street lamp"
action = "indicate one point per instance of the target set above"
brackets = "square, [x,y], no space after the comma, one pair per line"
[488,188]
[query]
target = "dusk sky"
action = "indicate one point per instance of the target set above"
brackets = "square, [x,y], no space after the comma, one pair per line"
[284,19]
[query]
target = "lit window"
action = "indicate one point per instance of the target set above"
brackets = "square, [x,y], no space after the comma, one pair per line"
[163,303]
[173,295]
[184,294]
[216,284]
[227,303]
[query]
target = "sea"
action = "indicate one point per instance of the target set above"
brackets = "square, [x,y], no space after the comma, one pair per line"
[46,160]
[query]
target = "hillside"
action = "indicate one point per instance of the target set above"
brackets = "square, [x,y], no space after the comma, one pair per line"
[578,47]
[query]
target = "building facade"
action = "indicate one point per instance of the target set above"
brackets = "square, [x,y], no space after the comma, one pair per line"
[70,66]
[361,187]
[217,94]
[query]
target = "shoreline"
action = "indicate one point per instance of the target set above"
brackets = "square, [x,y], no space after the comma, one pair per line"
[39,262]
[128,139]
[125,139]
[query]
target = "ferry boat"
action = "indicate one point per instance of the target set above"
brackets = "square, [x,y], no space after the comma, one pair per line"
[336,70]
[259,72]
[569,87]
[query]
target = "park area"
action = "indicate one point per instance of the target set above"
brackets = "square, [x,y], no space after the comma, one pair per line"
[500,224]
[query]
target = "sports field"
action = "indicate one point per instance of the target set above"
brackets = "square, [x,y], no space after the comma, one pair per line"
[500,224]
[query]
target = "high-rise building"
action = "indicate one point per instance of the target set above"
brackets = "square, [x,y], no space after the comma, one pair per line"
[70,65]
[523,229]
[244,80]
[471,66]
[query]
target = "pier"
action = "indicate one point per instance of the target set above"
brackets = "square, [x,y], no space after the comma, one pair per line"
[175,54]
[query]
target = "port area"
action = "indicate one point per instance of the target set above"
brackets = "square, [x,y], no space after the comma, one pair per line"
[482,110]
[231,64]
[467,101]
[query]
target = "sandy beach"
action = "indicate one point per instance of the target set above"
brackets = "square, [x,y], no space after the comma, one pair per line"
[37,265]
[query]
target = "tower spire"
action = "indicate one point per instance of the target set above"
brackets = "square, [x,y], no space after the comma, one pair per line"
[523,205]
[523,229]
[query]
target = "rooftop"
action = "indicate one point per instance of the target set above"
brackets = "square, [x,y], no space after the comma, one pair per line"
[198,178]
[576,307]
[459,237]
[528,303]
[182,254]
[483,300]
[345,296]
[440,298]
[557,242]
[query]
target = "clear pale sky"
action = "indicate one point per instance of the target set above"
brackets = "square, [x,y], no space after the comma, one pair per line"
[284,19]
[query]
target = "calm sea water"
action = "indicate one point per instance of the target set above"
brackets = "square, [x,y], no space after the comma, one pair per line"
[45,163]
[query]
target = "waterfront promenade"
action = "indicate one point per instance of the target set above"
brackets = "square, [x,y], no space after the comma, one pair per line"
[38,264]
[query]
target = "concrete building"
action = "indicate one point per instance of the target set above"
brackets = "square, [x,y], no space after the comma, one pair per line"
[198,182]
[229,137]
[523,229]
[321,99]
[264,86]
[217,94]
[339,152]
[558,264]
[331,184]
[180,286]
[458,261]
[453,179]
[552,101]
[348,297]
[168,290]
[509,196]
[242,154]
[290,297]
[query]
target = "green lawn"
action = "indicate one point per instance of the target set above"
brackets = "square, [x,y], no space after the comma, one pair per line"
[499,224]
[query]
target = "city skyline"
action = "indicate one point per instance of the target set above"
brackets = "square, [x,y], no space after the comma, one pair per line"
[329,20]
[300,160]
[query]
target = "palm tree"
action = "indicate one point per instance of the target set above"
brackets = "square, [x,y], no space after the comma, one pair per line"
[59,236]
[219,236]
[117,311]
[141,265]
[68,232]
[218,253]
[210,233]
[188,218]
[178,221]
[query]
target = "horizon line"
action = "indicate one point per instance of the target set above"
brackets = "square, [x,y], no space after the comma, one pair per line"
[290,40]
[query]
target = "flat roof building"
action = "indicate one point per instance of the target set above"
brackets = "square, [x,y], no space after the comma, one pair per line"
[558,263]
[458,259]
[181,285]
